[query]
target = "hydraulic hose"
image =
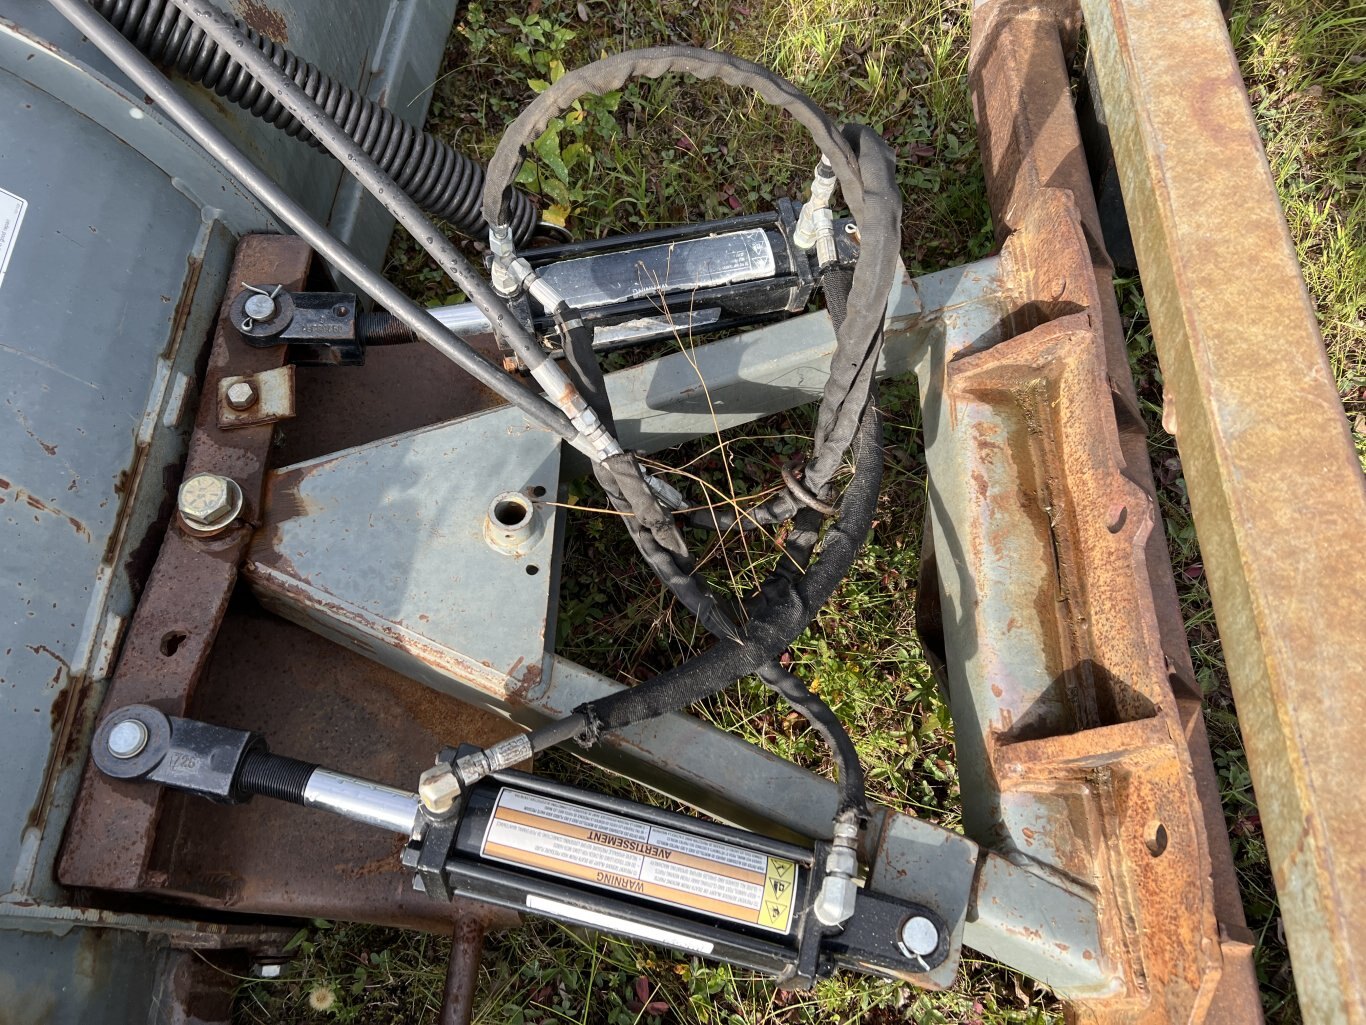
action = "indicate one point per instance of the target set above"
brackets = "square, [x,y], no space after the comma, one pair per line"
[443,182]
[848,418]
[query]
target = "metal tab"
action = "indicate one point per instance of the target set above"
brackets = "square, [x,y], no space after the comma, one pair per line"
[273,401]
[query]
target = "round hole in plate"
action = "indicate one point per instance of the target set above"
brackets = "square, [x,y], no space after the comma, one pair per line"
[171,642]
[538,492]
[532,570]
[512,512]
[1155,838]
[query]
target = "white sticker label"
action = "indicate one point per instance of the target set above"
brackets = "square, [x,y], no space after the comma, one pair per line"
[12,209]
[630,856]
[611,923]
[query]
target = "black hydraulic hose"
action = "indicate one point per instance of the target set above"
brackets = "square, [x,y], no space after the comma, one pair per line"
[443,182]
[852,785]
[155,85]
[865,169]
[790,598]
[790,605]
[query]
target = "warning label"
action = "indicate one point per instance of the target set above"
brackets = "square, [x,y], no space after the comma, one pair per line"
[622,854]
[12,209]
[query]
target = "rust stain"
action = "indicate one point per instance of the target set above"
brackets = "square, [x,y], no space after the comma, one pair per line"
[187,592]
[193,266]
[62,665]
[36,503]
[382,865]
[66,705]
[531,678]
[265,20]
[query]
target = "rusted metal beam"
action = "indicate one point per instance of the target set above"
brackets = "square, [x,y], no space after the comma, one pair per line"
[110,833]
[1100,721]
[462,974]
[1275,485]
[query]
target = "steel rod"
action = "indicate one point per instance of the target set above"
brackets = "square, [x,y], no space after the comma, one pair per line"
[155,85]
[225,32]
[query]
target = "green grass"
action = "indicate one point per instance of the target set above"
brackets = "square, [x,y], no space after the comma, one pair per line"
[665,153]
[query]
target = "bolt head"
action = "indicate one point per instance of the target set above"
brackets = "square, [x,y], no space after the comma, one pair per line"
[205,497]
[241,395]
[920,936]
[259,307]
[209,503]
[127,739]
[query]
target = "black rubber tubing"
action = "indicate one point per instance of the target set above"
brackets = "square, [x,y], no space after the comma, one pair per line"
[790,608]
[443,182]
[792,599]
[862,163]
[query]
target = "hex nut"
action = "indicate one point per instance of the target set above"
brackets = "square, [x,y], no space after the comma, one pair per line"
[242,395]
[208,503]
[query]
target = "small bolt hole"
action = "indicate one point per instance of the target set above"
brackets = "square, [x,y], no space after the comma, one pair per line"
[531,571]
[511,513]
[171,642]
[1155,838]
[538,492]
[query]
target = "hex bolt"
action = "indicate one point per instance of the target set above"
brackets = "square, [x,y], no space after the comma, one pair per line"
[259,307]
[241,395]
[208,503]
[127,739]
[919,936]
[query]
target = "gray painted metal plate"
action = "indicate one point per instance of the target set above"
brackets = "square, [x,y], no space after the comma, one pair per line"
[109,291]
[389,51]
[386,544]
[112,284]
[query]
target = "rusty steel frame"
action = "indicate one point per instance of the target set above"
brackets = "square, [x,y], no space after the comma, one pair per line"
[189,651]
[1276,488]
[1087,776]
[1103,726]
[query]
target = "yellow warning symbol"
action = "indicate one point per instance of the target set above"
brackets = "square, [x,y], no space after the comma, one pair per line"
[780,883]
